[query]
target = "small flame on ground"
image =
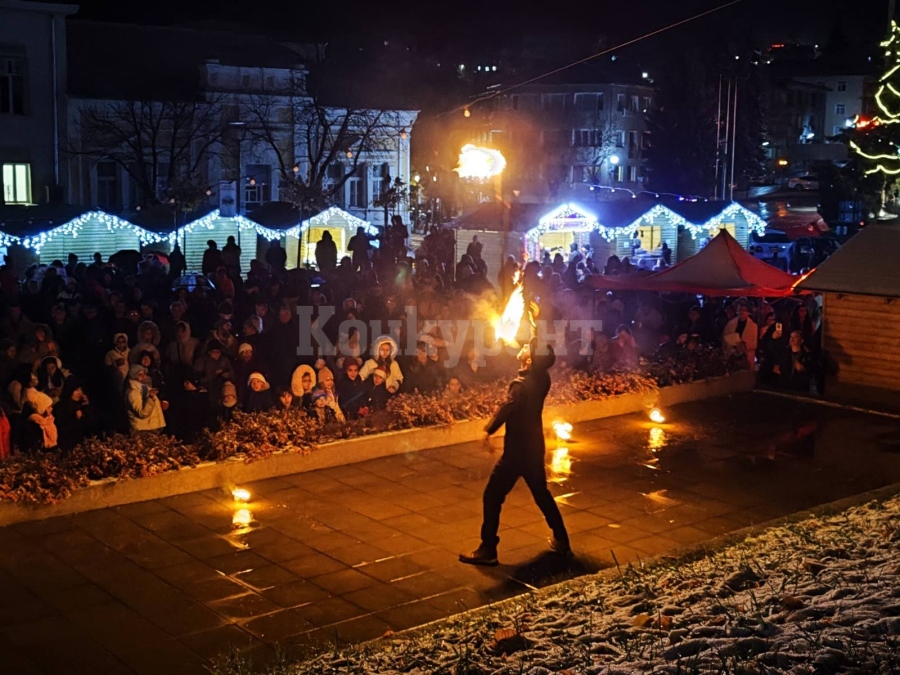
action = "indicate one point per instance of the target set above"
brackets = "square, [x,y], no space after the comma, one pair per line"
[242,518]
[560,465]
[657,439]
[656,416]
[563,430]
[240,495]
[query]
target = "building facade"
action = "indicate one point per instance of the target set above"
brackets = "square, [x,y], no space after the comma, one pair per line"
[224,121]
[32,100]
[572,141]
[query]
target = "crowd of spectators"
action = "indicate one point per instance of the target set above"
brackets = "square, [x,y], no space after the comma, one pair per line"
[95,348]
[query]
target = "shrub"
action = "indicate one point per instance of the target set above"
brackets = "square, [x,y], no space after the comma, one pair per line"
[51,477]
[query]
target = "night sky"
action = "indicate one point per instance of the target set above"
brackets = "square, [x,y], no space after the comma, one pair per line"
[436,22]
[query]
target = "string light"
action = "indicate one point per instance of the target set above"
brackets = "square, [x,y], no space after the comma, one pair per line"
[74,227]
[214,220]
[326,215]
[888,162]
[728,214]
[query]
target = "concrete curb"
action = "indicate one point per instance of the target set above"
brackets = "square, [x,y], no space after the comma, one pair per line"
[104,494]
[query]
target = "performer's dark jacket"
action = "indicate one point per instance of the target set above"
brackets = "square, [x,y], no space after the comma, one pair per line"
[524,440]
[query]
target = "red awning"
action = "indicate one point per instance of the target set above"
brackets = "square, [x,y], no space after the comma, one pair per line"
[721,268]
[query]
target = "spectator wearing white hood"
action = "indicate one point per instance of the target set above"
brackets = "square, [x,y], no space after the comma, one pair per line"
[117,359]
[384,354]
[145,410]
[303,381]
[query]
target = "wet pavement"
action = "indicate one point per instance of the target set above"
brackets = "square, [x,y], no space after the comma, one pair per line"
[349,553]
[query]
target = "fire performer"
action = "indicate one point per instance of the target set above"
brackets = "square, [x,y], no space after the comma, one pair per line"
[523,456]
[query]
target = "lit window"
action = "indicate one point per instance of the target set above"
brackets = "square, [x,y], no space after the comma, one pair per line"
[17,183]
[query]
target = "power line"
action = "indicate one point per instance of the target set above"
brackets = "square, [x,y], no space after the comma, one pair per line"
[504,90]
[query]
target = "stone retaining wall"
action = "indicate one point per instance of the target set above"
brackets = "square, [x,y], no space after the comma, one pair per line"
[103,494]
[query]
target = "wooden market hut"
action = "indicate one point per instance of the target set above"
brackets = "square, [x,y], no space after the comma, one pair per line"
[702,220]
[607,226]
[46,233]
[299,235]
[194,235]
[860,284]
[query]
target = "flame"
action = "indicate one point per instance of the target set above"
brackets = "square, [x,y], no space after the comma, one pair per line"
[241,518]
[560,465]
[479,163]
[506,326]
[240,495]
[656,416]
[563,430]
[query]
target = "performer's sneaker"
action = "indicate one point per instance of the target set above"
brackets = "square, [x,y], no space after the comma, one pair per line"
[562,548]
[480,556]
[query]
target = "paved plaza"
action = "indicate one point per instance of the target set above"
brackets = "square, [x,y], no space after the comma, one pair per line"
[350,553]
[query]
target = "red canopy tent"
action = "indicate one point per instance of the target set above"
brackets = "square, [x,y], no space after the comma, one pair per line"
[721,268]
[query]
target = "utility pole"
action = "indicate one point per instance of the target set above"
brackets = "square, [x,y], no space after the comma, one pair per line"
[718,139]
[733,143]
[725,138]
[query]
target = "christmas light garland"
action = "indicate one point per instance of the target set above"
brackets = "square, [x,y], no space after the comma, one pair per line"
[326,215]
[73,227]
[211,221]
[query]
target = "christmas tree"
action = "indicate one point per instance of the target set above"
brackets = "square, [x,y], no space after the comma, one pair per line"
[876,139]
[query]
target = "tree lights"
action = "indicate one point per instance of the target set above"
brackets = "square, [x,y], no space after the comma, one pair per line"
[877,139]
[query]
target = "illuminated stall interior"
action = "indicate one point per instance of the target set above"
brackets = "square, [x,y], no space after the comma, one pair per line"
[301,239]
[557,230]
[193,236]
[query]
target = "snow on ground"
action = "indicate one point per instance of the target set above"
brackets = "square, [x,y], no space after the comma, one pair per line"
[821,595]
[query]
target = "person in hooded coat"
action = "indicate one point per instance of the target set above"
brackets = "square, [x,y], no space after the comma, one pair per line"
[384,356]
[259,396]
[181,352]
[148,337]
[523,455]
[75,419]
[117,360]
[303,381]
[247,362]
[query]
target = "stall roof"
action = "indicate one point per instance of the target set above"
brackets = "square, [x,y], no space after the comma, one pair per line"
[866,265]
[488,216]
[160,218]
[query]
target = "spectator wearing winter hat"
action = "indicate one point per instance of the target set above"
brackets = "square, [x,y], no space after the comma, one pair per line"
[214,367]
[145,409]
[148,338]
[320,409]
[384,356]
[247,362]
[116,361]
[222,331]
[326,384]
[181,352]
[259,395]
[303,381]
[377,394]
